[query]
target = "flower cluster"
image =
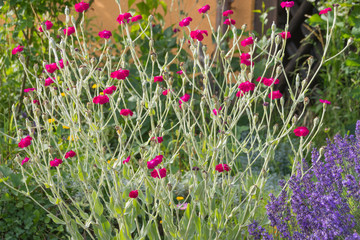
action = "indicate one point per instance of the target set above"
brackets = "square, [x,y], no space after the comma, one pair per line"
[25,142]
[48,25]
[267,81]
[120,74]
[322,198]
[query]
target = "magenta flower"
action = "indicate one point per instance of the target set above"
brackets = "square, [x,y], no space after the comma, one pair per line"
[157,139]
[17,49]
[61,63]
[275,95]
[120,74]
[126,112]
[29,89]
[56,162]
[127,159]
[247,41]
[48,25]
[182,206]
[134,194]
[165,92]
[244,59]
[247,86]
[52,67]
[70,154]
[204,9]
[286,35]
[124,18]
[222,167]
[105,34]
[101,99]
[287,4]
[110,90]
[229,21]
[325,11]
[36,102]
[81,6]
[180,72]
[240,94]
[49,81]
[301,131]
[158,173]
[228,12]
[136,18]
[25,160]
[325,101]
[269,81]
[184,98]
[154,162]
[158,79]
[24,142]
[68,31]
[198,34]
[215,111]
[185,22]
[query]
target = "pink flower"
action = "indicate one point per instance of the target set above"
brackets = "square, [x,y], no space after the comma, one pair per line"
[56,162]
[124,18]
[36,102]
[325,101]
[29,89]
[228,12]
[198,34]
[247,86]
[157,139]
[204,9]
[184,98]
[247,41]
[269,81]
[61,63]
[48,25]
[120,74]
[175,30]
[325,11]
[285,35]
[81,6]
[49,81]
[301,131]
[136,18]
[17,49]
[127,159]
[154,162]
[180,72]
[110,90]
[229,21]
[105,34]
[244,59]
[68,31]
[158,173]
[182,206]
[240,94]
[52,67]
[222,167]
[70,154]
[158,79]
[24,142]
[134,194]
[25,160]
[165,92]
[275,95]
[185,22]
[215,111]
[101,99]
[287,4]
[126,112]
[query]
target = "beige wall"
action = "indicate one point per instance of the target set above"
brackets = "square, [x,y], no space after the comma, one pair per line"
[106,12]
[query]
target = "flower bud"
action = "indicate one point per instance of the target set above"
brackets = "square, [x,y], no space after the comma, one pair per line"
[316,121]
[350,41]
[282,101]
[297,81]
[67,11]
[310,60]
[303,83]
[294,119]
[52,43]
[37,112]
[273,27]
[243,27]
[306,100]
[277,40]
[26,100]
[153,56]
[278,70]
[321,151]
[275,127]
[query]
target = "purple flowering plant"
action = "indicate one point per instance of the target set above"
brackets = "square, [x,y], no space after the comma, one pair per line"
[321,201]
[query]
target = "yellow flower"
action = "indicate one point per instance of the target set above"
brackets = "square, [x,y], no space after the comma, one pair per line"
[63,94]
[179,198]
[65,127]
[72,138]
[160,221]
[109,161]
[51,120]
[94,86]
